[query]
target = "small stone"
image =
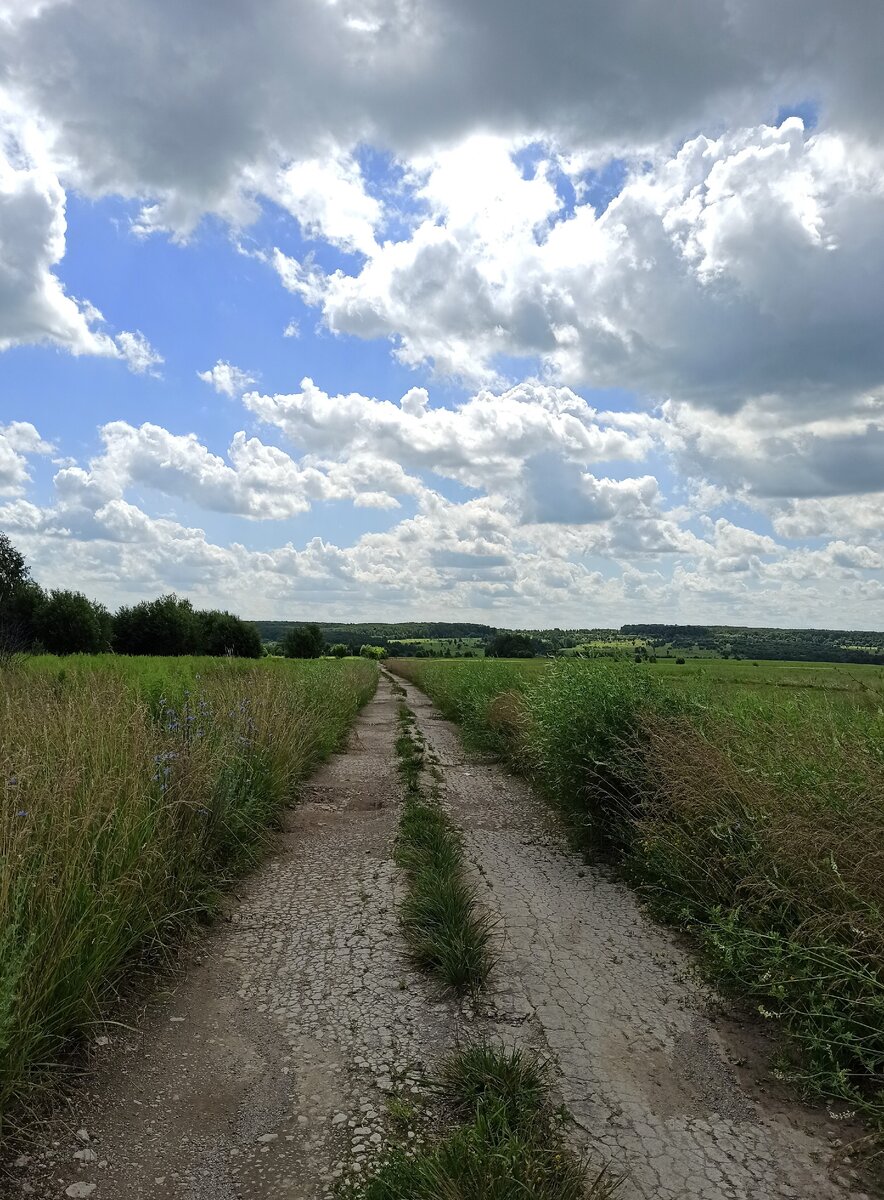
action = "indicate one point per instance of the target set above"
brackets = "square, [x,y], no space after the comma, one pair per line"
[268,1137]
[79,1191]
[87,1155]
[83,1135]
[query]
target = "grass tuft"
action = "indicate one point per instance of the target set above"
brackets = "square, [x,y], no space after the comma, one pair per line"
[504,1140]
[445,930]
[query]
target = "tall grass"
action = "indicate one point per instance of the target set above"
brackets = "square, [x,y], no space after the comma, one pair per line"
[132,791]
[752,818]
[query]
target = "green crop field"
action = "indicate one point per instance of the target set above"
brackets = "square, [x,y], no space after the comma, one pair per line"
[133,789]
[746,802]
[465,647]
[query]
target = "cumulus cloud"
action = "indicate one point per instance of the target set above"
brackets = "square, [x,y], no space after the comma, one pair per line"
[482,442]
[226,379]
[18,440]
[408,75]
[138,353]
[256,480]
[739,268]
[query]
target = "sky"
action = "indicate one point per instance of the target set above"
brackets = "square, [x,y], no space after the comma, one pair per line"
[530,314]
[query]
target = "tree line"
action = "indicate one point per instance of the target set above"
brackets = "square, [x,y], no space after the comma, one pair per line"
[61,621]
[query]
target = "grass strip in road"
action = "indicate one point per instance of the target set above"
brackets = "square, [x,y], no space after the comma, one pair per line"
[502,1139]
[445,931]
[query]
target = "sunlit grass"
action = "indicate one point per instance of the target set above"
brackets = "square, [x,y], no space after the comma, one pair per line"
[751,813]
[131,791]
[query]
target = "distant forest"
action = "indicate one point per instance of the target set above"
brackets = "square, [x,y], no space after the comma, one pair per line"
[410,638]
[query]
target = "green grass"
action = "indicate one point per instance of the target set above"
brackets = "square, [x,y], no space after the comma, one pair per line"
[474,647]
[503,1140]
[131,792]
[446,933]
[746,803]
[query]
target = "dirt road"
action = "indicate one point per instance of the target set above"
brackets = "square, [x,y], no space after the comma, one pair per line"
[266,1073]
[644,1070]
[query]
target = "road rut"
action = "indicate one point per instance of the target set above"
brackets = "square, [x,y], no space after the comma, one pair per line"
[644,1071]
[266,1073]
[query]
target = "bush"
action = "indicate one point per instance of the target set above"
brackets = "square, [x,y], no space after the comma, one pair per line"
[303,641]
[339,650]
[221,633]
[71,623]
[377,653]
[167,626]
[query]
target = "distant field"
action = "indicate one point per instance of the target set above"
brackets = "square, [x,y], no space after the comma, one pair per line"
[467,647]
[746,801]
[826,676]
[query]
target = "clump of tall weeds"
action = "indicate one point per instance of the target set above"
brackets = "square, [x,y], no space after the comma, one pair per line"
[123,810]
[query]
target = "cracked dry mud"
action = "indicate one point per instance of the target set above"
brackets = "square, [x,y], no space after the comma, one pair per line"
[265,1075]
[643,1070]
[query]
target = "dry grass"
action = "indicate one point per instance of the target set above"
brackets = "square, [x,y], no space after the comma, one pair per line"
[123,812]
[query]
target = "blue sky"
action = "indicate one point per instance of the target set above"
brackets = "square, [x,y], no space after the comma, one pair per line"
[550,346]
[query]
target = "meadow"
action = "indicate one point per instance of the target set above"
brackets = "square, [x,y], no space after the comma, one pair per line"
[134,790]
[745,801]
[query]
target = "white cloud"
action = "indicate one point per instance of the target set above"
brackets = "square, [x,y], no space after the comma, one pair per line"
[328,198]
[483,442]
[227,379]
[256,481]
[138,353]
[17,441]
[732,270]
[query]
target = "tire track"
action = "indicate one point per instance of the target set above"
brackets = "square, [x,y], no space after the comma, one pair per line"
[644,1071]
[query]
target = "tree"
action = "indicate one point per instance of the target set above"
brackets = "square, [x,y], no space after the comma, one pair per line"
[14,572]
[303,641]
[374,652]
[20,600]
[70,623]
[221,633]
[510,645]
[339,650]
[164,626]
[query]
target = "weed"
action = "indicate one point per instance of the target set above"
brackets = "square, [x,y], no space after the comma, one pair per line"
[503,1142]
[446,932]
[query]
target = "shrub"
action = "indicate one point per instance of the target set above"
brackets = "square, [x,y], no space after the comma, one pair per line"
[167,626]
[303,641]
[71,623]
